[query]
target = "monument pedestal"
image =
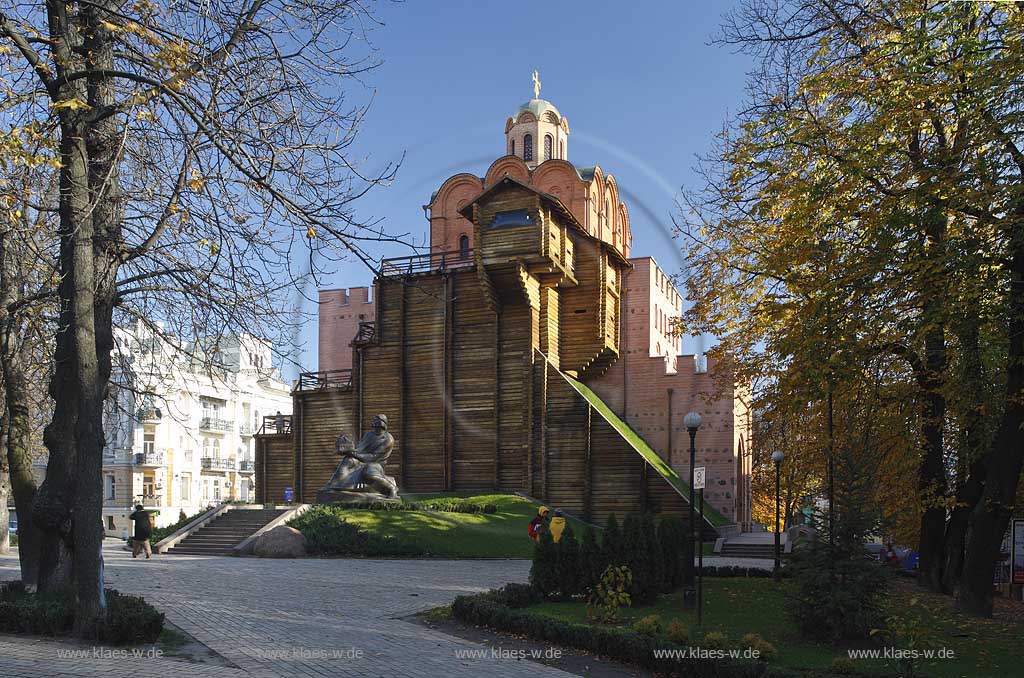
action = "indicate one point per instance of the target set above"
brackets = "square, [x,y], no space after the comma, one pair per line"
[353,497]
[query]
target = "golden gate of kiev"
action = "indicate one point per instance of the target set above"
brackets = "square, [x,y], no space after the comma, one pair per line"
[519,356]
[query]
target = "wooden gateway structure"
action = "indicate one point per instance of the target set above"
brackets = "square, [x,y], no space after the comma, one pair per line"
[480,357]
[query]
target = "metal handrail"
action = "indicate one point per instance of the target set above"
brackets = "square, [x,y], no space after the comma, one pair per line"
[311,381]
[276,424]
[426,263]
[215,424]
[367,330]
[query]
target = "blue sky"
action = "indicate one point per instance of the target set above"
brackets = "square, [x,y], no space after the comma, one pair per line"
[641,87]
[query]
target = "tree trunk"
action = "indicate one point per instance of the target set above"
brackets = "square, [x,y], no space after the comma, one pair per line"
[18,451]
[991,516]
[932,484]
[5,493]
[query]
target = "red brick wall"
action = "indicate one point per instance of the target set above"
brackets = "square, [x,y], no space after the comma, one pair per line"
[341,311]
[637,388]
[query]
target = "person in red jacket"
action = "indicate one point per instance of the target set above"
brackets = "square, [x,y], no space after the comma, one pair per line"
[537,524]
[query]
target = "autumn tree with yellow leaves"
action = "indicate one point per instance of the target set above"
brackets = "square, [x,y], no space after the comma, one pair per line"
[202,167]
[861,240]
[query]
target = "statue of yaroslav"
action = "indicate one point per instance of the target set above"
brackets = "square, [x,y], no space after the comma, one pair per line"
[361,468]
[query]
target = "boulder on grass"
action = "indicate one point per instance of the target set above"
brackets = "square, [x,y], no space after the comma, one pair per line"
[281,542]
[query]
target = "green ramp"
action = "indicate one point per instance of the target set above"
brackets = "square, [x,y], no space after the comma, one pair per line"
[653,459]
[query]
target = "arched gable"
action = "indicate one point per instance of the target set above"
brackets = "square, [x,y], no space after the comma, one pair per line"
[446,224]
[506,165]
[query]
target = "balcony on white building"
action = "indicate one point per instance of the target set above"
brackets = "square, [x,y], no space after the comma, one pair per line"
[150,500]
[246,466]
[217,464]
[118,456]
[245,429]
[151,458]
[215,424]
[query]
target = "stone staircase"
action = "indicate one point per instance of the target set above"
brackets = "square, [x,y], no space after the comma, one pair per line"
[218,537]
[752,545]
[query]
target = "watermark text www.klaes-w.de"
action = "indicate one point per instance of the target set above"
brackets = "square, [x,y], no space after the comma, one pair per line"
[508,653]
[896,653]
[110,653]
[702,653]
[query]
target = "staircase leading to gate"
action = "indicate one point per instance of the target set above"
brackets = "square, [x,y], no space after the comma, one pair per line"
[218,537]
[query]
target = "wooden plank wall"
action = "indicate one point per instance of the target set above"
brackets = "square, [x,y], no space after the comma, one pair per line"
[566,446]
[617,470]
[378,375]
[549,322]
[473,390]
[322,414]
[275,466]
[423,390]
[580,310]
[515,348]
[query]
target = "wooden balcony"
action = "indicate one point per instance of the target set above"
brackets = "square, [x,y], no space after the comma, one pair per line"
[426,263]
[317,381]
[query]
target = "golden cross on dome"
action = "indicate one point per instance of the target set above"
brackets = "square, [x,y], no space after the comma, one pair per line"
[536,84]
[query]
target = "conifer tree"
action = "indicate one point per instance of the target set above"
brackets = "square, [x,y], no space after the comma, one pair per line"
[611,543]
[569,570]
[544,571]
[592,561]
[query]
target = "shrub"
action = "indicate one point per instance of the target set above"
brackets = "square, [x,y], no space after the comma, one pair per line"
[591,561]
[442,504]
[329,534]
[837,593]
[715,640]
[130,619]
[544,570]
[612,548]
[490,609]
[844,666]
[678,633]
[671,537]
[610,594]
[648,626]
[567,569]
[159,533]
[766,651]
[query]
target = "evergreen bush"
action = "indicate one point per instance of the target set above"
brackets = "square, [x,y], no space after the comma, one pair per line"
[544,570]
[671,536]
[568,566]
[614,552]
[592,561]
[329,534]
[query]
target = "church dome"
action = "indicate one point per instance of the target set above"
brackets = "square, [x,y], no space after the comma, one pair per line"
[538,107]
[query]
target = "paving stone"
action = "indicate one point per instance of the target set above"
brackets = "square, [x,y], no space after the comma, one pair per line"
[308,617]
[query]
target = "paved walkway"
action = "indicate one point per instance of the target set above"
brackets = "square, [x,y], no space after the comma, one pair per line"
[290,618]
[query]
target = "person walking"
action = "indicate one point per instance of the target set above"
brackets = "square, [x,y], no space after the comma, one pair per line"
[143,531]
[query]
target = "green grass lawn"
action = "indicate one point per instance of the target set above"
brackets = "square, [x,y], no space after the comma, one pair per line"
[736,606]
[460,535]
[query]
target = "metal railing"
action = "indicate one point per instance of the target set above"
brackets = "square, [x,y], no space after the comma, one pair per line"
[246,466]
[426,263]
[150,499]
[367,330]
[217,464]
[151,458]
[121,456]
[311,381]
[277,423]
[215,424]
[245,429]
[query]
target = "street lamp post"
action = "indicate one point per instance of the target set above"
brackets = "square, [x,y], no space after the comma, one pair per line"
[692,422]
[777,458]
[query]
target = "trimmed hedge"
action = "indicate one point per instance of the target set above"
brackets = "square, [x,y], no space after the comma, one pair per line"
[329,534]
[501,609]
[444,505]
[130,619]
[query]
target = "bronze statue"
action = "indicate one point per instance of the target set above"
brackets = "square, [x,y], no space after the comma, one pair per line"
[362,466]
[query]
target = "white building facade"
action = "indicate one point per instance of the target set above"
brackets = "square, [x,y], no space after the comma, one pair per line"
[180,421]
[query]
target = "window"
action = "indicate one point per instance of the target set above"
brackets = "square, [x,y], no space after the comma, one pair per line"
[206,489]
[149,439]
[464,246]
[561,150]
[548,143]
[109,487]
[528,147]
[110,524]
[186,487]
[216,489]
[216,448]
[148,485]
[511,146]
